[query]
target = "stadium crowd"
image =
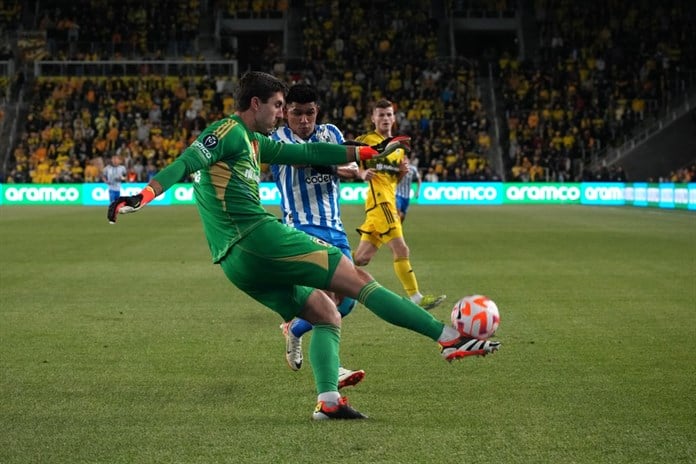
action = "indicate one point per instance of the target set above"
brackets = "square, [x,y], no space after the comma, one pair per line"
[77,124]
[252,9]
[128,29]
[603,69]
[437,101]
[594,80]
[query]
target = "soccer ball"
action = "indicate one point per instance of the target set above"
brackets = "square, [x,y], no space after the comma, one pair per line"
[476,316]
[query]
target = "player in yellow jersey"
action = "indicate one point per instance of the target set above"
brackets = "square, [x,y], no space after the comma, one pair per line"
[382,224]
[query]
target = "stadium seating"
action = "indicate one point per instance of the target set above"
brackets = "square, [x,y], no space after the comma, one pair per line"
[603,69]
[84,29]
[253,9]
[590,84]
[425,89]
[78,122]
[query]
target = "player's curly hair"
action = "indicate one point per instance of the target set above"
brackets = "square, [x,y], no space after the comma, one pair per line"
[257,84]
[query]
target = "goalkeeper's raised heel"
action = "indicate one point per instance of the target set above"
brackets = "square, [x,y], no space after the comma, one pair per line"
[467,346]
[340,410]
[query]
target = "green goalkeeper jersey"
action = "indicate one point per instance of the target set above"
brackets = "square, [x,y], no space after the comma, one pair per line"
[225,161]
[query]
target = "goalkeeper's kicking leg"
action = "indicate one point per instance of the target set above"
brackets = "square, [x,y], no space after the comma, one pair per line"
[324,346]
[355,282]
[286,279]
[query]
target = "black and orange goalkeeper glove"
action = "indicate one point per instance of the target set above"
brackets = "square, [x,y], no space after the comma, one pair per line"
[385,148]
[130,204]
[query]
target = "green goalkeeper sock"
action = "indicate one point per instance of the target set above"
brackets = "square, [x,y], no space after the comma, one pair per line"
[323,355]
[399,311]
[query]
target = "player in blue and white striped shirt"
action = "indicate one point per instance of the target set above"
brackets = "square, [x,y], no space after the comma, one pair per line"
[403,190]
[114,174]
[310,202]
[309,194]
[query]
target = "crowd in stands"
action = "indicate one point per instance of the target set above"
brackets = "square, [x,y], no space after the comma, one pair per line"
[127,29]
[682,175]
[437,101]
[603,69]
[10,13]
[615,173]
[584,90]
[483,8]
[243,9]
[78,123]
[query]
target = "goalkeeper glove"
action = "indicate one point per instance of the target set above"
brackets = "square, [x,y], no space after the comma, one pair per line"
[385,148]
[131,204]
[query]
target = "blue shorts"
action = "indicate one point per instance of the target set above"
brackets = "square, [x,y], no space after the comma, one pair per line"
[402,203]
[339,239]
[113,195]
[334,237]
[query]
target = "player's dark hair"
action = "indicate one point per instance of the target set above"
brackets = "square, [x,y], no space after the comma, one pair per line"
[257,84]
[302,93]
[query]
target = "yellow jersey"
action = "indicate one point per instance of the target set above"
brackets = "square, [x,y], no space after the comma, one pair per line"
[382,187]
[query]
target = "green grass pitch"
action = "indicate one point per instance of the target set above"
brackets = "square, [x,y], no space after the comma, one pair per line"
[124,344]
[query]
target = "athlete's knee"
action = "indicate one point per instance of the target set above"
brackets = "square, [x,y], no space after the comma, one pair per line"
[399,248]
[349,280]
[321,309]
[363,276]
[362,257]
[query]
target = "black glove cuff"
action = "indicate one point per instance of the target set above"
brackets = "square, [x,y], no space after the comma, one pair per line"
[353,143]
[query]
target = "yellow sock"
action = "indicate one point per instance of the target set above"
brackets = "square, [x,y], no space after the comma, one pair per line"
[402,268]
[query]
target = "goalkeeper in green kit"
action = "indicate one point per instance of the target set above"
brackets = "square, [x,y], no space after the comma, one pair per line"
[277,265]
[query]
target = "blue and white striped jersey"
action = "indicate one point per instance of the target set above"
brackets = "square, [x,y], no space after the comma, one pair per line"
[308,197]
[403,188]
[114,176]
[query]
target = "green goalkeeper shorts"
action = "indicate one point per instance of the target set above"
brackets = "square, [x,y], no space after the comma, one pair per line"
[280,266]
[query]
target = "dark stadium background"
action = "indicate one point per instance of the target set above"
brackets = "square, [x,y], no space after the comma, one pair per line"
[546,90]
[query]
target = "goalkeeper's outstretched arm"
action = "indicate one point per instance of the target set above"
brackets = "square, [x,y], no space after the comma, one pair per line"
[330,154]
[160,183]
[185,165]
